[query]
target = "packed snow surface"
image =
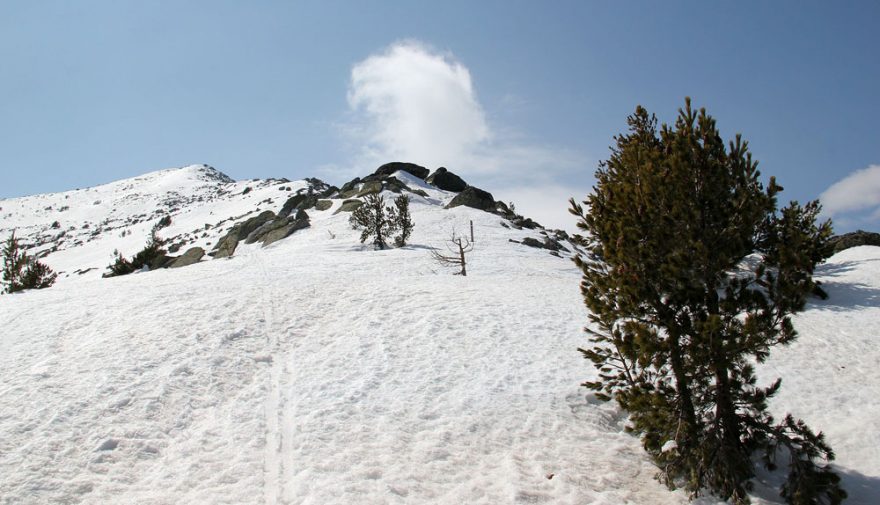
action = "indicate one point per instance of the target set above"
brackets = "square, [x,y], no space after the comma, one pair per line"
[320,371]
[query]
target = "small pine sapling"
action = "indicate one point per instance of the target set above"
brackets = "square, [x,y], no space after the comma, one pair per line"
[21,271]
[374,220]
[403,219]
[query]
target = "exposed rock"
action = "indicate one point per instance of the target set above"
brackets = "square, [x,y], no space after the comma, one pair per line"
[226,246]
[395,185]
[173,248]
[548,243]
[853,239]
[532,242]
[446,180]
[301,201]
[278,228]
[191,256]
[323,204]
[475,198]
[298,223]
[349,206]
[410,168]
[524,222]
[370,188]
[327,192]
[350,185]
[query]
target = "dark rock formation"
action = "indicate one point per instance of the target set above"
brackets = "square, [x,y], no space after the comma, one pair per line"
[291,225]
[226,246]
[301,201]
[446,180]
[323,204]
[410,168]
[475,198]
[853,239]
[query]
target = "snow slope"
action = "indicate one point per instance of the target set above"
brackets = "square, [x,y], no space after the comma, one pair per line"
[319,371]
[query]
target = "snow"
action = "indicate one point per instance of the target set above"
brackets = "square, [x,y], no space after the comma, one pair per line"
[320,371]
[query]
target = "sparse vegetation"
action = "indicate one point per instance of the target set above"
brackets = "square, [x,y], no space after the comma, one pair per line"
[458,248]
[374,220]
[21,271]
[691,276]
[403,220]
[149,257]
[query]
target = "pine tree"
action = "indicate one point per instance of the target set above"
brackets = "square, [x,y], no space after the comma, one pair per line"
[679,314]
[402,219]
[21,272]
[375,220]
[150,256]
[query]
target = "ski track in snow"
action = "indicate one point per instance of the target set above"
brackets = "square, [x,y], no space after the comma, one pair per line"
[318,371]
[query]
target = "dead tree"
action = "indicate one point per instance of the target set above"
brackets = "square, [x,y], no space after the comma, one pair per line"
[458,248]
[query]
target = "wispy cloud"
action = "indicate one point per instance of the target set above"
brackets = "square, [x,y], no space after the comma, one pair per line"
[854,200]
[413,103]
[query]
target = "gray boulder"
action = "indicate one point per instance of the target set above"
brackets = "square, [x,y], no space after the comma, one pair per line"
[350,185]
[446,180]
[395,185]
[323,204]
[349,206]
[410,168]
[300,201]
[370,188]
[475,198]
[226,246]
[278,228]
[191,256]
[298,223]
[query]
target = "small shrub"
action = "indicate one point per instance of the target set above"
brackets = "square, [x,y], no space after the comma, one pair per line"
[21,271]
[148,257]
[402,219]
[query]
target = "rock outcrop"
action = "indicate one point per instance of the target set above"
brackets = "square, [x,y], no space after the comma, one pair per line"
[349,206]
[475,198]
[446,180]
[410,168]
[191,256]
[854,239]
[226,246]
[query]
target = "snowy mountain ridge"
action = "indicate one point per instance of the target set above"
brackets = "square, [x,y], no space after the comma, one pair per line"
[76,232]
[317,370]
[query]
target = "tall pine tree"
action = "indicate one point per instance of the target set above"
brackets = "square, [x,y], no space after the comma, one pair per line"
[691,275]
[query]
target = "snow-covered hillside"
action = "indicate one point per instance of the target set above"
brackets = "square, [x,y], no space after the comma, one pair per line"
[318,371]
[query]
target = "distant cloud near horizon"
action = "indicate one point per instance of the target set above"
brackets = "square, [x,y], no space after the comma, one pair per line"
[854,201]
[412,103]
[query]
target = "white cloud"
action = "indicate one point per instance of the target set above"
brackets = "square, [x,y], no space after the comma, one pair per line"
[854,201]
[417,106]
[859,190]
[413,103]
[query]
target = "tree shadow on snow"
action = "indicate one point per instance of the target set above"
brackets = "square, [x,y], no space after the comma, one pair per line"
[848,295]
[835,269]
[862,489]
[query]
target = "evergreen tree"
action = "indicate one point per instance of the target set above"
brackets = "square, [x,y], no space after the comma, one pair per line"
[691,273]
[21,271]
[402,219]
[375,220]
[150,256]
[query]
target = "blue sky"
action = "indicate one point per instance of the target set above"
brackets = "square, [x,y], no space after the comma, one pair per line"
[522,98]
